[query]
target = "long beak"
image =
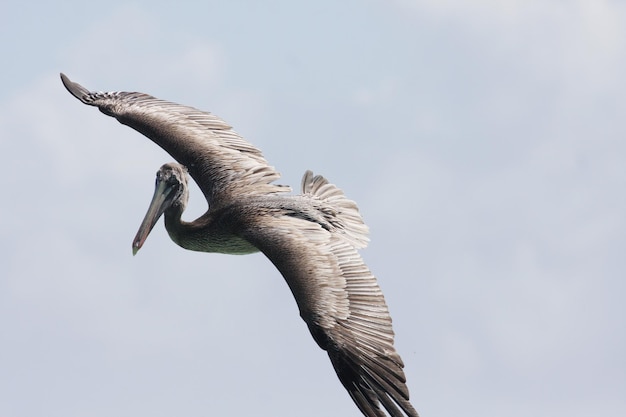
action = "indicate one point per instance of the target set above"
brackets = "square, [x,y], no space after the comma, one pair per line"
[161,201]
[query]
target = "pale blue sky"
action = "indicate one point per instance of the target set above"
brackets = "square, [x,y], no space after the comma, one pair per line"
[485,145]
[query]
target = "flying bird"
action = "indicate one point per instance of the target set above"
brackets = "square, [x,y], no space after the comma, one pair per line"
[312,238]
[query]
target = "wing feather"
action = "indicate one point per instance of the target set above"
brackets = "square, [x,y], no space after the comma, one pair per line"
[343,306]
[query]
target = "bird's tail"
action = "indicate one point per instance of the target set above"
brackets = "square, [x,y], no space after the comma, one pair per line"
[347,213]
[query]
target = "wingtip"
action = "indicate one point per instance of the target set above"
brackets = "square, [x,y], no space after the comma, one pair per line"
[75,89]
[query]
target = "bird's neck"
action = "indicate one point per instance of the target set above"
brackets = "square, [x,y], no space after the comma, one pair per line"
[205,234]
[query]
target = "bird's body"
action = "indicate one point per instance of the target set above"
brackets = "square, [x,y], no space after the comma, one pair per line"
[311,238]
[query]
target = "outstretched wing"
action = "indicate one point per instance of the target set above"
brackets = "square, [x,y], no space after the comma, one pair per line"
[220,161]
[313,243]
[343,306]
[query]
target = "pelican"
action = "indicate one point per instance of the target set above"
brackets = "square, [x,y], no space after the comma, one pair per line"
[311,238]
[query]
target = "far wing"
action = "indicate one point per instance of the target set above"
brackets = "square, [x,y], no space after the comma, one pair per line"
[220,161]
[343,306]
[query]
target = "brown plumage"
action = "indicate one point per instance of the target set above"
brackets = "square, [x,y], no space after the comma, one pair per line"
[311,238]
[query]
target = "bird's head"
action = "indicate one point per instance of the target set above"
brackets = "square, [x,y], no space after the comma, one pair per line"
[170,195]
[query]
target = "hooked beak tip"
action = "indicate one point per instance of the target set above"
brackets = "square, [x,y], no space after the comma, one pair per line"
[136,246]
